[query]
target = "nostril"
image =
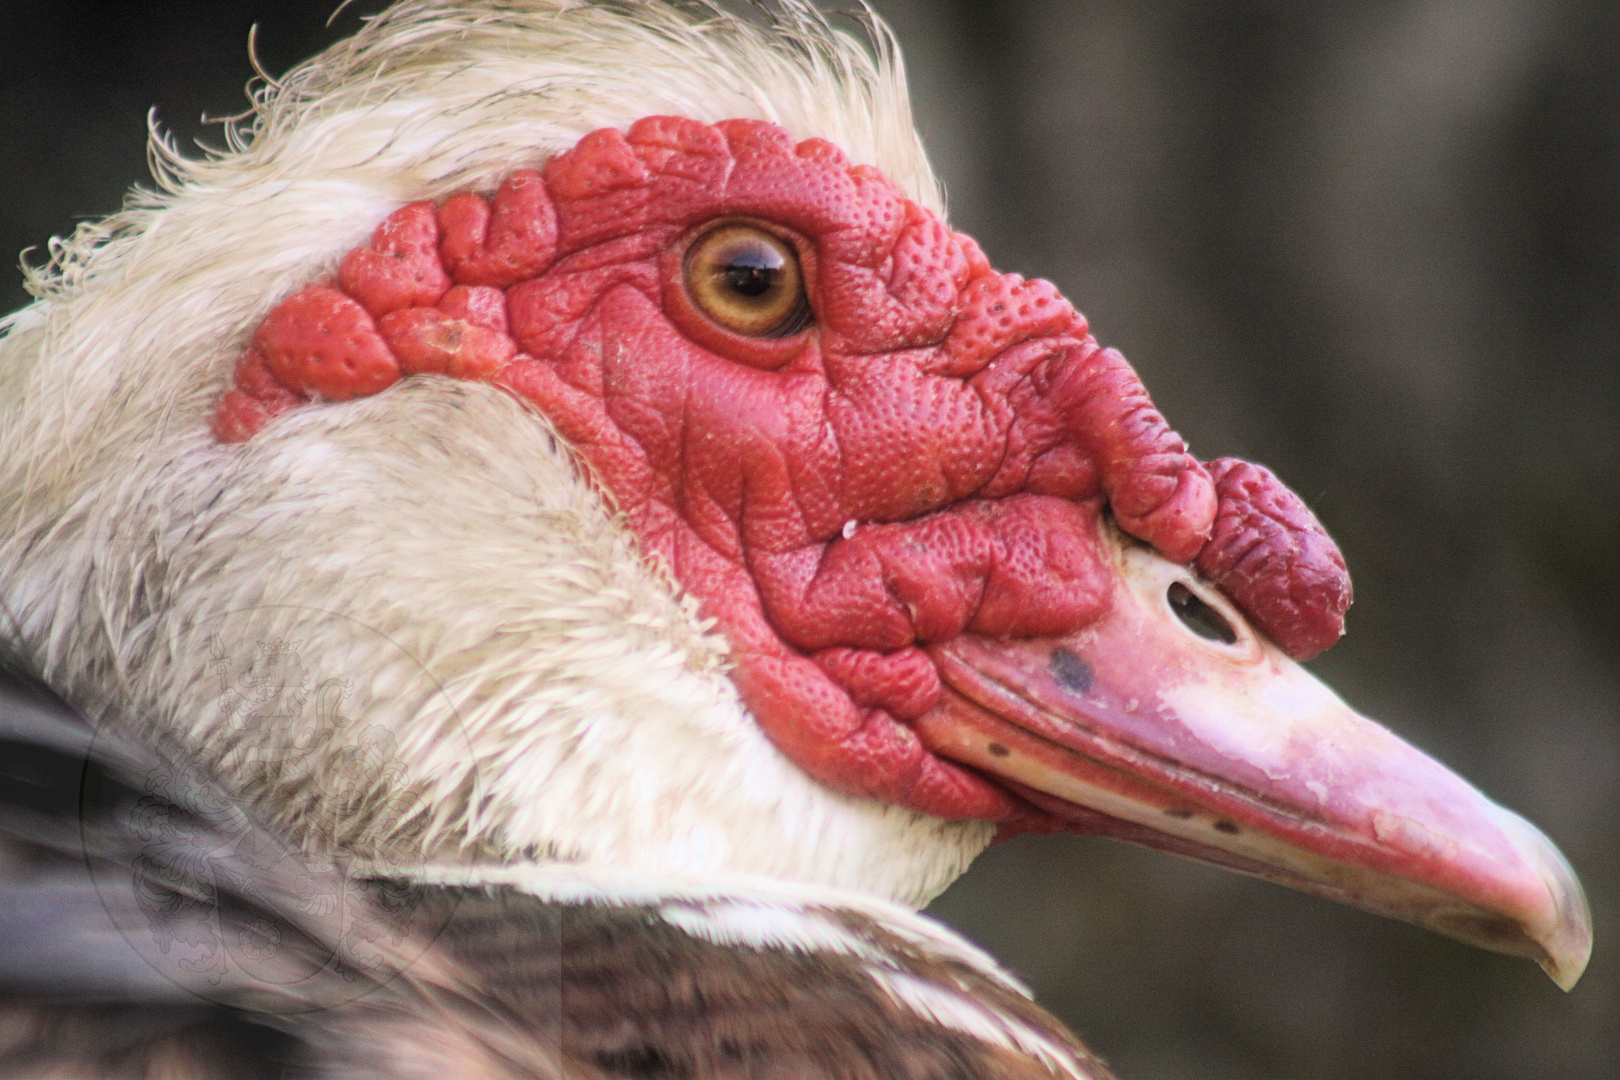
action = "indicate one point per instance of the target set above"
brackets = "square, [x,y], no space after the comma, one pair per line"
[1198,616]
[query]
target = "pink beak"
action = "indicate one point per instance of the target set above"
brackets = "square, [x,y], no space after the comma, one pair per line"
[1172,723]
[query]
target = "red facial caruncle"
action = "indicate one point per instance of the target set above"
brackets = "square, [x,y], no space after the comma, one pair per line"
[917,448]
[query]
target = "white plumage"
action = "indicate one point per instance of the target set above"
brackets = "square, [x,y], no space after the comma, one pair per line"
[515,648]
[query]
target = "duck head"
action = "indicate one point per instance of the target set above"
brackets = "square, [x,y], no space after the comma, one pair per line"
[668,488]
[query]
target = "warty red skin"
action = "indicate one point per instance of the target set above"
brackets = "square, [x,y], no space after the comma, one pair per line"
[931,456]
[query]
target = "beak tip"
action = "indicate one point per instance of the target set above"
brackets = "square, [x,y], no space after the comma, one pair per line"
[1569,946]
[1539,911]
[1565,939]
[1565,961]
[1565,978]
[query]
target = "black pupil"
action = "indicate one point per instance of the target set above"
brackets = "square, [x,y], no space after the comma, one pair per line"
[753,271]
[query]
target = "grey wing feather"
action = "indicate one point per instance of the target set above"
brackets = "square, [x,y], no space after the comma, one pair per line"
[149,924]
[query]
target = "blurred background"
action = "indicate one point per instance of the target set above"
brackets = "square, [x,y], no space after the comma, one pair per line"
[1373,244]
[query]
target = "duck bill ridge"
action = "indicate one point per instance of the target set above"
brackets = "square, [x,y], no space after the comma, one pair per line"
[1172,723]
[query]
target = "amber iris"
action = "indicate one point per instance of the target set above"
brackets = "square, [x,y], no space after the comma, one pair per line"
[748,281]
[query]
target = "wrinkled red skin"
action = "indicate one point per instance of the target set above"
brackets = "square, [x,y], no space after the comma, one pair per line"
[1268,548]
[932,456]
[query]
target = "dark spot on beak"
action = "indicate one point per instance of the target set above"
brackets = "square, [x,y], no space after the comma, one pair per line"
[998,750]
[1178,812]
[1225,827]
[1068,669]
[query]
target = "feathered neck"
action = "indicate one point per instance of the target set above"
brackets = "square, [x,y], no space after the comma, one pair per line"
[408,623]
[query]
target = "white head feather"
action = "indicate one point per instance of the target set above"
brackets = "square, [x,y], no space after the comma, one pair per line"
[405,621]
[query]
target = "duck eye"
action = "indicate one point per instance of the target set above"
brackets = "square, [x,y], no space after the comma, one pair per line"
[748,281]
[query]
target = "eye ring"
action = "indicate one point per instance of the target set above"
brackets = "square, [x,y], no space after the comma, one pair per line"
[748,281]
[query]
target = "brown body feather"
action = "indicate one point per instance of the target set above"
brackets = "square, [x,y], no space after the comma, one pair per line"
[439,982]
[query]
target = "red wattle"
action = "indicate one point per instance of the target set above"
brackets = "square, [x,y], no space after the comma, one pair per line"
[932,456]
[1274,559]
[320,343]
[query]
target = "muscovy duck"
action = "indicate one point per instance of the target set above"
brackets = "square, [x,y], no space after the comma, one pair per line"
[558,459]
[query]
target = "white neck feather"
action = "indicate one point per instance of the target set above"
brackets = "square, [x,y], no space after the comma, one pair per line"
[405,621]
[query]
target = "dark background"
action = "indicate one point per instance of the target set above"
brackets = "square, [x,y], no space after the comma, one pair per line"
[1373,244]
